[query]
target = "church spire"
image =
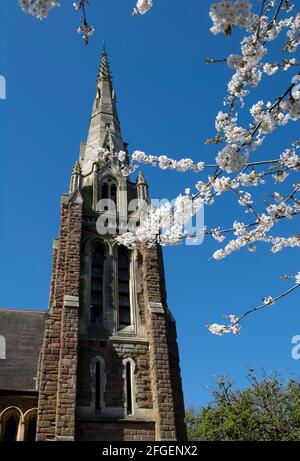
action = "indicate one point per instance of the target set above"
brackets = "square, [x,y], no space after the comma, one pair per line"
[104,129]
[104,69]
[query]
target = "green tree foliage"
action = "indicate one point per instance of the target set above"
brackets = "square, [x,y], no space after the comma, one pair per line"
[268,409]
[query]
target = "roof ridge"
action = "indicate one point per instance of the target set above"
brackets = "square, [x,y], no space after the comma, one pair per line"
[35,311]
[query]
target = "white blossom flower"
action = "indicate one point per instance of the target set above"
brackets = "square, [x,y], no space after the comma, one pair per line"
[280,176]
[229,159]
[86,30]
[263,117]
[268,301]
[245,199]
[235,61]
[219,254]
[281,210]
[220,330]
[278,197]
[270,69]
[252,248]
[250,179]
[257,109]
[217,235]
[122,156]
[200,166]
[240,228]
[290,159]
[291,108]
[142,6]
[288,63]
[294,34]
[221,184]
[217,329]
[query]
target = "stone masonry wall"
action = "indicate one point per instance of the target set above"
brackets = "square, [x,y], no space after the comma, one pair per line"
[176,382]
[154,298]
[114,431]
[67,376]
[59,352]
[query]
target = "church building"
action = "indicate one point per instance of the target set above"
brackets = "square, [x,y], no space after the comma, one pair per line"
[102,363]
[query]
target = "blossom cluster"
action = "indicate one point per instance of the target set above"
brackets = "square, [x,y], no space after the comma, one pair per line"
[294,34]
[38,8]
[165,162]
[85,29]
[142,6]
[229,159]
[258,231]
[232,327]
[41,8]
[248,66]
[165,224]
[227,14]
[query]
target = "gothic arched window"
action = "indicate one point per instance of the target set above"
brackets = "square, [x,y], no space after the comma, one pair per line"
[98,381]
[97,270]
[109,189]
[113,193]
[30,433]
[98,386]
[105,191]
[124,287]
[128,389]
[129,386]
[11,428]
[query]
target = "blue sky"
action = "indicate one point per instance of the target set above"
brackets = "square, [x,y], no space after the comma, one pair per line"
[167,101]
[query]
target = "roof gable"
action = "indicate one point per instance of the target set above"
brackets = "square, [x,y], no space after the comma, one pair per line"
[22,335]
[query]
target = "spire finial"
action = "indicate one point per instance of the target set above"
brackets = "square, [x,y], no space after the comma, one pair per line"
[103,47]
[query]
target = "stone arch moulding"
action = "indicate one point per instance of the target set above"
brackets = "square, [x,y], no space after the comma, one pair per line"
[4,417]
[129,387]
[29,421]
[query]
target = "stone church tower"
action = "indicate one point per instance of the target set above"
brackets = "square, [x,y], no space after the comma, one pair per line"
[109,365]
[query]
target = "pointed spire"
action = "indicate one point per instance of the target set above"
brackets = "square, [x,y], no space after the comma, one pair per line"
[140,179]
[142,187]
[77,168]
[75,183]
[104,69]
[104,129]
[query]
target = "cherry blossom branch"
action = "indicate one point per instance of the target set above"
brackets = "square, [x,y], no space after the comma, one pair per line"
[234,326]
[85,29]
[269,302]
[247,226]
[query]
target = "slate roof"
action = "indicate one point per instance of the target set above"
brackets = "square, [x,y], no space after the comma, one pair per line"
[23,332]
